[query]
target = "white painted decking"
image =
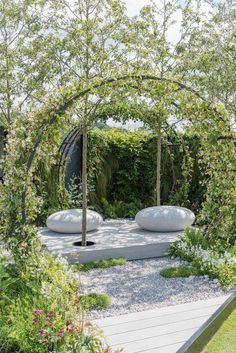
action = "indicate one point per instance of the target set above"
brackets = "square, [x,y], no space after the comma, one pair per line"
[115,238]
[162,330]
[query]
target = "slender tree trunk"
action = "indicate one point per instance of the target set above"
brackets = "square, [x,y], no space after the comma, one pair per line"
[158,171]
[1,150]
[85,139]
[84,185]
[8,85]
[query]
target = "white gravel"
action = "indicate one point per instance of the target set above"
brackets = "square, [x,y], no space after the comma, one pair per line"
[138,286]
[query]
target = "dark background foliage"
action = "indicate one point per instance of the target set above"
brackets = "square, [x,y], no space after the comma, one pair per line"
[122,170]
[122,174]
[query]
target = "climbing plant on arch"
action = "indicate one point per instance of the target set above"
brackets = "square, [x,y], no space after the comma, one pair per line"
[20,203]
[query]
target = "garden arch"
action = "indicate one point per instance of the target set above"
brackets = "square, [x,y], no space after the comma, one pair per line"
[71,100]
[50,114]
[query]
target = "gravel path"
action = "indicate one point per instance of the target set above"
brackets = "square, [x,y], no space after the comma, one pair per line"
[138,286]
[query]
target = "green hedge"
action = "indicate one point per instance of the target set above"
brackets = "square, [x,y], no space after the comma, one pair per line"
[122,167]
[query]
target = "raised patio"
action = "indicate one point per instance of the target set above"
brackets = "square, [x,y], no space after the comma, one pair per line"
[114,239]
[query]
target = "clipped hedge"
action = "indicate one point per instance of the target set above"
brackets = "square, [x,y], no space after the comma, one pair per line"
[122,169]
[122,174]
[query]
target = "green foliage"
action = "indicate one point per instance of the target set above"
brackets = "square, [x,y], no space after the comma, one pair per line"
[195,237]
[212,257]
[121,161]
[211,55]
[218,155]
[94,301]
[26,63]
[180,271]
[119,209]
[42,313]
[99,264]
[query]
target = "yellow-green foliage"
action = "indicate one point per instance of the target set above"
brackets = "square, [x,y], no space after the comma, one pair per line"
[43,313]
[99,264]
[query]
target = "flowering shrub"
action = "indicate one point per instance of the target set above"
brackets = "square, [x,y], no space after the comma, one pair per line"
[212,260]
[44,314]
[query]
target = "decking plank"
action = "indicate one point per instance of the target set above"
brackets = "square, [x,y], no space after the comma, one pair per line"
[147,314]
[162,330]
[171,348]
[156,331]
[156,342]
[185,316]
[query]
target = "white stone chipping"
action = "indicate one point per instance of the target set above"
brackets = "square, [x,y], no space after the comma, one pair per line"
[138,286]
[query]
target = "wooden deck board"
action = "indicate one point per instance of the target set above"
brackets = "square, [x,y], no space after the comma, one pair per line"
[162,330]
[159,321]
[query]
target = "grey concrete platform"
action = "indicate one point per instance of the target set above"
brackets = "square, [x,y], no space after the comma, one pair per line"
[163,330]
[114,239]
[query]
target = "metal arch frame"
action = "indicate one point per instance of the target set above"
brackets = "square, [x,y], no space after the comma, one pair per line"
[81,94]
[65,147]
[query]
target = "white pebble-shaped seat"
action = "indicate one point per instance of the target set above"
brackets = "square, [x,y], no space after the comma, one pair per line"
[70,221]
[165,218]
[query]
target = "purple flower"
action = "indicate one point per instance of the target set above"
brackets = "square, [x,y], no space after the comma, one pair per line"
[40,333]
[35,321]
[61,332]
[49,321]
[71,329]
[38,312]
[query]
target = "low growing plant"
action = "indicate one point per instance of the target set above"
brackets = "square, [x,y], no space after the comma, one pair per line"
[215,259]
[94,301]
[99,264]
[181,271]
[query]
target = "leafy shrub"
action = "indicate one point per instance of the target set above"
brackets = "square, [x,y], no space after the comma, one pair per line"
[215,259]
[121,209]
[94,301]
[122,171]
[40,312]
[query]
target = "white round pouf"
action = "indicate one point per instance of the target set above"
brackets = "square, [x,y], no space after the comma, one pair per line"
[165,218]
[70,221]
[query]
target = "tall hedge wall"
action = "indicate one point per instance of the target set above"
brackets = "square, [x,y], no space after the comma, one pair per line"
[122,167]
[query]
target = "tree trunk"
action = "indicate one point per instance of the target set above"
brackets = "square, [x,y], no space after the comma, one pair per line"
[84,185]
[85,136]
[158,171]
[1,151]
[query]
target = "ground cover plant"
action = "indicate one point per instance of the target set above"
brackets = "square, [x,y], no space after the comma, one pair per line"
[94,301]
[180,271]
[215,258]
[99,264]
